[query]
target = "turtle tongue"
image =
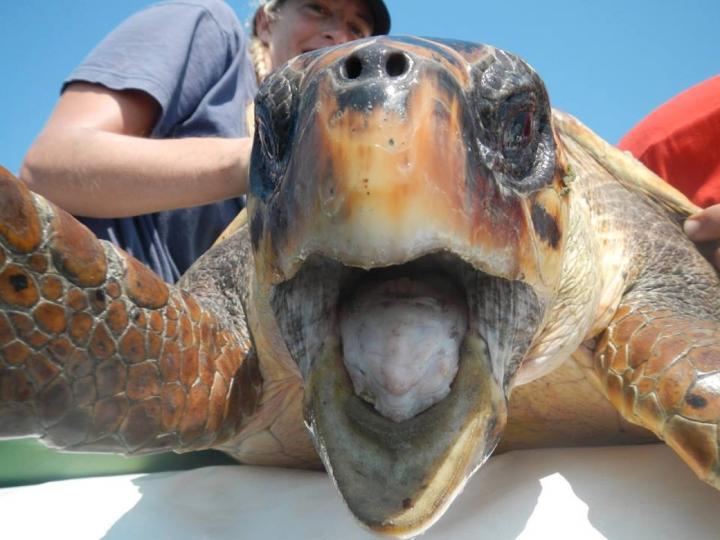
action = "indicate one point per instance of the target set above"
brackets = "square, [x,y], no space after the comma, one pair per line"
[401,340]
[397,478]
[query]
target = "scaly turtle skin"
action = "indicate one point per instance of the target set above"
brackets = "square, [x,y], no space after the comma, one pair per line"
[425,239]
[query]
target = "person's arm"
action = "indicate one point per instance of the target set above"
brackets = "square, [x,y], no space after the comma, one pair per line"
[92,158]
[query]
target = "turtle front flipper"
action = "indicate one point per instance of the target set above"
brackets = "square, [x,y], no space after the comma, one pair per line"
[658,359]
[662,370]
[99,354]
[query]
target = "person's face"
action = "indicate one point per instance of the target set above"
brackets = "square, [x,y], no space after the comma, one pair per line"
[299,26]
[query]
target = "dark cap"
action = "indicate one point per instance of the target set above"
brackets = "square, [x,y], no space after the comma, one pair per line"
[381,17]
[380,14]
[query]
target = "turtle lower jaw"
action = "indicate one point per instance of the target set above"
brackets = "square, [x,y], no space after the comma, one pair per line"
[397,478]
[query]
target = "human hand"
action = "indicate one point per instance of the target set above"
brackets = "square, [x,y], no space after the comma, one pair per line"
[703,228]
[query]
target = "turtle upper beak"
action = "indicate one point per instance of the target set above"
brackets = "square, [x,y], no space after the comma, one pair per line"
[397,478]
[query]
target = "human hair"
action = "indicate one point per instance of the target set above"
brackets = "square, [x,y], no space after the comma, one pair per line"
[270,8]
[257,49]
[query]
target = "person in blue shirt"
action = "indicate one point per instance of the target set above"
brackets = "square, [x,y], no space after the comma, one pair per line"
[148,143]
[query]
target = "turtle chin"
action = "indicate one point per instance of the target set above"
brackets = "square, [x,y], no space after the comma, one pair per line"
[400,462]
[397,478]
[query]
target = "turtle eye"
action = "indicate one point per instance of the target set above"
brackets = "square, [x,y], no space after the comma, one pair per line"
[518,133]
[518,136]
[266,163]
[274,113]
[266,137]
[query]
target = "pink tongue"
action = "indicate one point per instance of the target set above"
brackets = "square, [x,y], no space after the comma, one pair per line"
[401,341]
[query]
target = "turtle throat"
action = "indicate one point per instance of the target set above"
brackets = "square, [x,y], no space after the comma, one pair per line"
[401,339]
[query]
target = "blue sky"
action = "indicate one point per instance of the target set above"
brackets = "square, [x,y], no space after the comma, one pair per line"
[609,63]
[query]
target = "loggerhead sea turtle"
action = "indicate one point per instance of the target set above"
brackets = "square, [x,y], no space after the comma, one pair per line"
[433,260]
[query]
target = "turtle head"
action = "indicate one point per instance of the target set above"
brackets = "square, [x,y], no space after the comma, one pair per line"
[407,219]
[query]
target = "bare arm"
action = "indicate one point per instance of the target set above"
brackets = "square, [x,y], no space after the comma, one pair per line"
[92,158]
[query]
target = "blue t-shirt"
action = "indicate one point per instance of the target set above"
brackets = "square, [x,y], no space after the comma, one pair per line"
[192,57]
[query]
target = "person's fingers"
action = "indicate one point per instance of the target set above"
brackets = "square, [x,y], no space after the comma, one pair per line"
[705,225]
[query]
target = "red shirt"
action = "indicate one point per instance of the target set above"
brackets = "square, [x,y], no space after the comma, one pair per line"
[680,141]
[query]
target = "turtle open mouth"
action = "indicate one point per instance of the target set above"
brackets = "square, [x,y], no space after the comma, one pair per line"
[404,369]
[401,335]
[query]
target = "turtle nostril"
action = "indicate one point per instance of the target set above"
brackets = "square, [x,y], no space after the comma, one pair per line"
[368,63]
[396,65]
[353,67]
